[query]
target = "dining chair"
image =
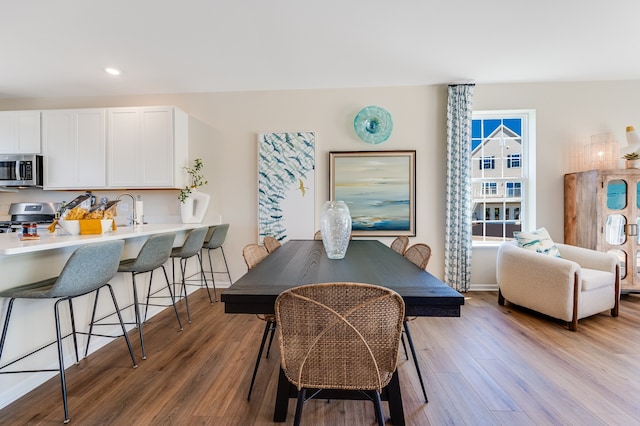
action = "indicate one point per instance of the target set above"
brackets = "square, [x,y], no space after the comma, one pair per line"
[153,255]
[271,243]
[339,336]
[399,245]
[317,235]
[419,254]
[88,270]
[254,254]
[190,248]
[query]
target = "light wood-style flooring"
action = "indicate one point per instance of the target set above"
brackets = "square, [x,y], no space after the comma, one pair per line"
[493,366]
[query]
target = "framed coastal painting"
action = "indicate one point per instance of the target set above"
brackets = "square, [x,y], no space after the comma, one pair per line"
[286,185]
[379,188]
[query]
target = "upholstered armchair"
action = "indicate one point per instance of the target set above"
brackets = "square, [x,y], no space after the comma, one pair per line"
[580,283]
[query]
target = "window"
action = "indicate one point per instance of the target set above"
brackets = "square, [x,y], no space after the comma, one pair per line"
[489,188]
[514,190]
[488,163]
[513,161]
[503,182]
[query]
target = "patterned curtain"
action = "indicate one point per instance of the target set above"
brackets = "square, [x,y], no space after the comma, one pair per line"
[457,268]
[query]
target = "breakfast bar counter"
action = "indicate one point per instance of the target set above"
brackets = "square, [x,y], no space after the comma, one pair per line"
[11,244]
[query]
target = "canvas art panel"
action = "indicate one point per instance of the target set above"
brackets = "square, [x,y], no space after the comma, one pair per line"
[379,189]
[286,185]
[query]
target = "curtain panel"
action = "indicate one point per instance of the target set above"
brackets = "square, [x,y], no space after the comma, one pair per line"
[458,236]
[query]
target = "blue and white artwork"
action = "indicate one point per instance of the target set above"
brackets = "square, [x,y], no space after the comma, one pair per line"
[378,188]
[286,185]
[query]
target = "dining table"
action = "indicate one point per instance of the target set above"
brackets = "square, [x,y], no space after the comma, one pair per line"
[300,262]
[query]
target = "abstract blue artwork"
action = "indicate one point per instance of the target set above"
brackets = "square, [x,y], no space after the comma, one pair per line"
[286,185]
[379,189]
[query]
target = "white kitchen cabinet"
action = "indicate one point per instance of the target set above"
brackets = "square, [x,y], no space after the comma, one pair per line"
[74,148]
[19,132]
[147,147]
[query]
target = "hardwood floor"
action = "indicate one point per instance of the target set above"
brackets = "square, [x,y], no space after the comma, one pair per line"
[494,365]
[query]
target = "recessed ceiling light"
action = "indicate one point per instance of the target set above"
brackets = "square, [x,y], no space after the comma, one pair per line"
[112,71]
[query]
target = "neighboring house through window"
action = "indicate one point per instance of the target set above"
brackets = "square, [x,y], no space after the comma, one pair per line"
[503,180]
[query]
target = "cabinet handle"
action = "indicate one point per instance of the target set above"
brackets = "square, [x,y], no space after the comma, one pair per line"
[632,229]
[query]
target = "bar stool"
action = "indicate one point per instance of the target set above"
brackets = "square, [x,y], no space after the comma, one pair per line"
[88,270]
[153,255]
[216,235]
[191,247]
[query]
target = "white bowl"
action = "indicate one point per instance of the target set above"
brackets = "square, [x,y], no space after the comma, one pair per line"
[73,226]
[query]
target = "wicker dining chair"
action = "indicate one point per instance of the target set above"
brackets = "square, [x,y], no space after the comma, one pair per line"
[419,254]
[339,336]
[271,243]
[317,235]
[254,254]
[399,245]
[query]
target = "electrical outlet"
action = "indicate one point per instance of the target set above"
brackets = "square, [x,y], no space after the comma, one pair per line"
[123,207]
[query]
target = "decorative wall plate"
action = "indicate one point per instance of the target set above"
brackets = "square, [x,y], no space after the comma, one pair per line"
[373,124]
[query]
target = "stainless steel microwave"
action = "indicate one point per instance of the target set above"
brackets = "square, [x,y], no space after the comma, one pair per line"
[21,170]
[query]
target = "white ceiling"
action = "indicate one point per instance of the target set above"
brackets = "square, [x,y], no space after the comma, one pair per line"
[54,48]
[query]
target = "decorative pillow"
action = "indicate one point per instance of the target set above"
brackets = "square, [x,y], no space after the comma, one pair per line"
[538,241]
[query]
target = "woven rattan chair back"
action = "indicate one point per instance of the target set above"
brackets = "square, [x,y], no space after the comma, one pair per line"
[399,245]
[317,235]
[254,254]
[339,335]
[271,244]
[419,254]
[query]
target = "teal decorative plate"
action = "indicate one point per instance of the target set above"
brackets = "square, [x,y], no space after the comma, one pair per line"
[373,124]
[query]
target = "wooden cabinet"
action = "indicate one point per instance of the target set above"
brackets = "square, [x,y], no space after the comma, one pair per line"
[19,132]
[147,147]
[602,212]
[74,150]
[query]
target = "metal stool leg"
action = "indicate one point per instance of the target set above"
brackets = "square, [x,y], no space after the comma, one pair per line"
[183,269]
[124,330]
[173,300]
[63,383]
[213,278]
[136,309]
[204,278]
[6,325]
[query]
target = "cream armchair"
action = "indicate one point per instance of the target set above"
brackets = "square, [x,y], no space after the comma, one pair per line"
[581,283]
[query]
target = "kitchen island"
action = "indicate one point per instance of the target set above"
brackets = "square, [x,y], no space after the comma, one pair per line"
[32,323]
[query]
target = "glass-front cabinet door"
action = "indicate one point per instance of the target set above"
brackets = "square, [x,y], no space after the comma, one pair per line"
[620,223]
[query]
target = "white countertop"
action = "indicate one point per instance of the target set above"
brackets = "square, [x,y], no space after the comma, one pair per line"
[10,242]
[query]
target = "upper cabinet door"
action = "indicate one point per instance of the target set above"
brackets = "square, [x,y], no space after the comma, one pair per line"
[142,146]
[74,148]
[20,132]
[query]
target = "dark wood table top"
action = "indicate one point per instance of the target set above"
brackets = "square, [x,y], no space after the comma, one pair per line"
[300,262]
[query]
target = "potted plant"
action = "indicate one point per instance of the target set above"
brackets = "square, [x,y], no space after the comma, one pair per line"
[194,204]
[633,160]
[195,176]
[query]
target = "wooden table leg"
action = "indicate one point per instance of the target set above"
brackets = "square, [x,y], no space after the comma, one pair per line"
[282,398]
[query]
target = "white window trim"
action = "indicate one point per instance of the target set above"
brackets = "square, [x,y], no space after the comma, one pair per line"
[528,166]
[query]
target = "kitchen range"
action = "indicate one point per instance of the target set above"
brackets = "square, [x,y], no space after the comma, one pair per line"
[42,214]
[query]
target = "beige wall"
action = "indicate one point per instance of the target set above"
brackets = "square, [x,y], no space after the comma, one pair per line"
[226,124]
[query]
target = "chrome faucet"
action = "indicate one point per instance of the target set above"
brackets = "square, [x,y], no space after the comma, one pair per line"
[134,216]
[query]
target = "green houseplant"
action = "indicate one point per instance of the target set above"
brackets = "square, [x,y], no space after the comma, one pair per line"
[195,176]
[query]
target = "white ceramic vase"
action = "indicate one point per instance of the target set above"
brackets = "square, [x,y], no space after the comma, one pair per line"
[335,226]
[194,207]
